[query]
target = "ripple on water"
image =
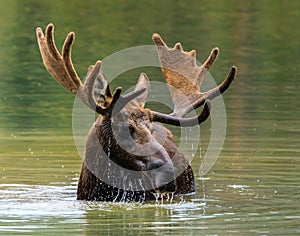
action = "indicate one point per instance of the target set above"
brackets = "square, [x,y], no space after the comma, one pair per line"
[26,201]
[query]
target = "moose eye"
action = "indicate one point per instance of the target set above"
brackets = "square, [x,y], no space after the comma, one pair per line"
[131,130]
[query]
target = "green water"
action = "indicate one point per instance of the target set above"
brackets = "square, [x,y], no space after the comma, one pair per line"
[254,187]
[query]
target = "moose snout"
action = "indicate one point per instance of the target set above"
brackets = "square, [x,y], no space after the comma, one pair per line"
[162,172]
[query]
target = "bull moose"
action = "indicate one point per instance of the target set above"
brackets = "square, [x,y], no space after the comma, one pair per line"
[129,156]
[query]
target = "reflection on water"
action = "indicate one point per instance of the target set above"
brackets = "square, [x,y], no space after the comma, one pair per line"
[254,186]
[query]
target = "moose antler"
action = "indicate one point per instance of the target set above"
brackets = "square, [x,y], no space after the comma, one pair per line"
[179,68]
[62,69]
[184,77]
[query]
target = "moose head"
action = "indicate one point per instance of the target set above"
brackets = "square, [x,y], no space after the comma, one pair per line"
[129,156]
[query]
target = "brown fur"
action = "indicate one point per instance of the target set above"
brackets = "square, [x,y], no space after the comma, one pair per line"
[90,187]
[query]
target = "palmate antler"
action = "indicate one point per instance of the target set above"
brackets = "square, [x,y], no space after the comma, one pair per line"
[179,68]
[62,69]
[184,77]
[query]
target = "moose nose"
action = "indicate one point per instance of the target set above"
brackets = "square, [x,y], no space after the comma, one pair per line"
[162,172]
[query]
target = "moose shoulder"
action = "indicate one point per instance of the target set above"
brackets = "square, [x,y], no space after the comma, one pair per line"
[129,156]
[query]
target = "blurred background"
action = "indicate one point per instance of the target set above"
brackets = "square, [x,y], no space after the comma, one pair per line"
[253,187]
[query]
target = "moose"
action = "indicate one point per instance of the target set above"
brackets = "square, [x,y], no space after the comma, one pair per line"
[129,156]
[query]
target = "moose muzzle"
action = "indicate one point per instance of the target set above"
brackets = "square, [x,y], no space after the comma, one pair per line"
[162,172]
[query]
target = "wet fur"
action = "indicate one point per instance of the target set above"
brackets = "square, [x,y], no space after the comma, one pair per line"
[91,187]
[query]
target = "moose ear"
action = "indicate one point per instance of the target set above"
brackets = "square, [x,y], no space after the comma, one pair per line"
[101,87]
[143,83]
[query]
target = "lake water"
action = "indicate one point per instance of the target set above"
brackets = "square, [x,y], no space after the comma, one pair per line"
[254,186]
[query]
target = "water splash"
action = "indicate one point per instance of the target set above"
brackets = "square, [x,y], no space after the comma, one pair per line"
[163,198]
[123,199]
[28,201]
[203,186]
[143,197]
[116,197]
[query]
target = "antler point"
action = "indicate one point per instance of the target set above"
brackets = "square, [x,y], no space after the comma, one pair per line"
[192,53]
[98,63]
[39,32]
[157,39]
[215,51]
[71,34]
[143,74]
[49,31]
[232,72]
[50,27]
[208,103]
[178,46]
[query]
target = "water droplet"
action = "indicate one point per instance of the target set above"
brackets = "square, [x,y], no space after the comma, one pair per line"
[172,197]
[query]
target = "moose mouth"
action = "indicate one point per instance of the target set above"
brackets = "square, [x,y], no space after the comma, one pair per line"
[165,192]
[163,178]
[168,188]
